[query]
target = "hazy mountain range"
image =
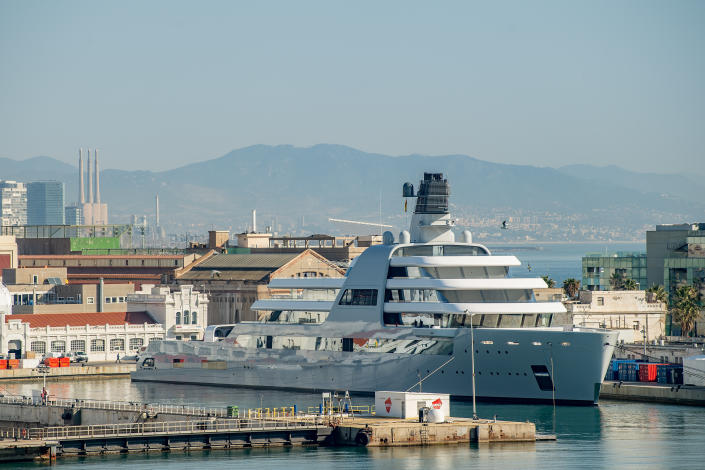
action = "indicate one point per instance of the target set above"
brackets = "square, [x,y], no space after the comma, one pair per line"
[287,183]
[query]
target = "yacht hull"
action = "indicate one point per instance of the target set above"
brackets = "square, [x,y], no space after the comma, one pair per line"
[511,365]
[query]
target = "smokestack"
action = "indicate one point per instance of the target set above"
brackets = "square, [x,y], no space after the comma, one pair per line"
[97,179]
[81,178]
[157,205]
[90,179]
[254,220]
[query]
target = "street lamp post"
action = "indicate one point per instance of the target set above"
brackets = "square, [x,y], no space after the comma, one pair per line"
[472,362]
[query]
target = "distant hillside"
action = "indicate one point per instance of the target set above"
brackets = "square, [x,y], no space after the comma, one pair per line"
[324,181]
[683,186]
[35,169]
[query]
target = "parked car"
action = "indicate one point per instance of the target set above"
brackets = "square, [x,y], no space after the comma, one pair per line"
[130,358]
[76,356]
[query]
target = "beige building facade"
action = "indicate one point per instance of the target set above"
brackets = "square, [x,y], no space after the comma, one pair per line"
[235,282]
[633,313]
[183,312]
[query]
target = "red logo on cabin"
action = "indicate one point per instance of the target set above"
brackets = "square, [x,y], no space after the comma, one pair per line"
[388,404]
[437,403]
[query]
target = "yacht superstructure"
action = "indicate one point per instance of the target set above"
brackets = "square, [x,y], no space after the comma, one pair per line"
[401,319]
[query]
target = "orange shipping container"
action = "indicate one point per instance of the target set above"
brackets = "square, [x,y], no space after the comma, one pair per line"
[648,372]
[64,362]
[51,361]
[3,363]
[13,364]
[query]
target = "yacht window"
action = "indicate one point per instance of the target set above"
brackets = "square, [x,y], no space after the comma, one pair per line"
[347,344]
[359,297]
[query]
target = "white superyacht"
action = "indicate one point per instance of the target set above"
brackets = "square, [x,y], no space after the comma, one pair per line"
[401,320]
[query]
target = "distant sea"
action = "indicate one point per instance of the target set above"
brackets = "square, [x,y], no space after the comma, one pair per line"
[560,261]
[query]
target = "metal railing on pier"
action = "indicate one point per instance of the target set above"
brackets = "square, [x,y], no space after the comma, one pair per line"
[171,428]
[355,410]
[117,406]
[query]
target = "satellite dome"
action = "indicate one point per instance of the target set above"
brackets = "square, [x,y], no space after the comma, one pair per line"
[5,299]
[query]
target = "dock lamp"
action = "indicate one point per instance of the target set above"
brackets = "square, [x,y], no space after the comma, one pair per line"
[472,362]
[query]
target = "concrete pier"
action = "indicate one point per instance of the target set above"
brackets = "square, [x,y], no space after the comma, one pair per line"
[29,449]
[68,373]
[385,432]
[653,392]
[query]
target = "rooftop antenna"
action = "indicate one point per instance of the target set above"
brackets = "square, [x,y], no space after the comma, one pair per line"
[380,212]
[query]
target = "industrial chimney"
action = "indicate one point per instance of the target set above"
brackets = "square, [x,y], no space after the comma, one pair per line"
[81,178]
[90,179]
[97,179]
[157,209]
[254,220]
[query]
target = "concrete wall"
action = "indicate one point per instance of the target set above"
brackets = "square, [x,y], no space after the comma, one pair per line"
[8,251]
[26,275]
[27,416]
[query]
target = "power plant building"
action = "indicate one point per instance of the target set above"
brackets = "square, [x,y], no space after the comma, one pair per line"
[45,203]
[94,212]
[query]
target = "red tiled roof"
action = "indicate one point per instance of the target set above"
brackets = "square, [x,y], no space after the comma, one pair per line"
[41,320]
[114,276]
[101,256]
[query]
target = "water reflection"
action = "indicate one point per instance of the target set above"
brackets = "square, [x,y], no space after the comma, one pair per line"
[650,436]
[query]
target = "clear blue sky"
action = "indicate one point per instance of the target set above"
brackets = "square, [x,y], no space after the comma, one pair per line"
[158,84]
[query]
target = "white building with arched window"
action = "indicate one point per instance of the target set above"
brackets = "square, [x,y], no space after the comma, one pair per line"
[102,336]
[184,312]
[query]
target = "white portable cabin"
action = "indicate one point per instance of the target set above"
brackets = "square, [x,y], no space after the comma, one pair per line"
[694,370]
[407,404]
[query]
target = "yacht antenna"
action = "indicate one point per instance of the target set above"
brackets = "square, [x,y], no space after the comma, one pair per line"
[380,212]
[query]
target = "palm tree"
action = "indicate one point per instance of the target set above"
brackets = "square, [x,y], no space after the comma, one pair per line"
[549,282]
[616,280]
[630,284]
[571,287]
[659,293]
[685,309]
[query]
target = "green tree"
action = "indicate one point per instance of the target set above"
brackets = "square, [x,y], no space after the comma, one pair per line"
[659,293]
[685,309]
[549,282]
[571,287]
[616,281]
[630,284]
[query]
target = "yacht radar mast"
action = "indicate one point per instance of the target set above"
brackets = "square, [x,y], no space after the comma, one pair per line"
[431,221]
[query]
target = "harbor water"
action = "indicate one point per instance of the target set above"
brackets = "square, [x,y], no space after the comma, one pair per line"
[614,434]
[559,261]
